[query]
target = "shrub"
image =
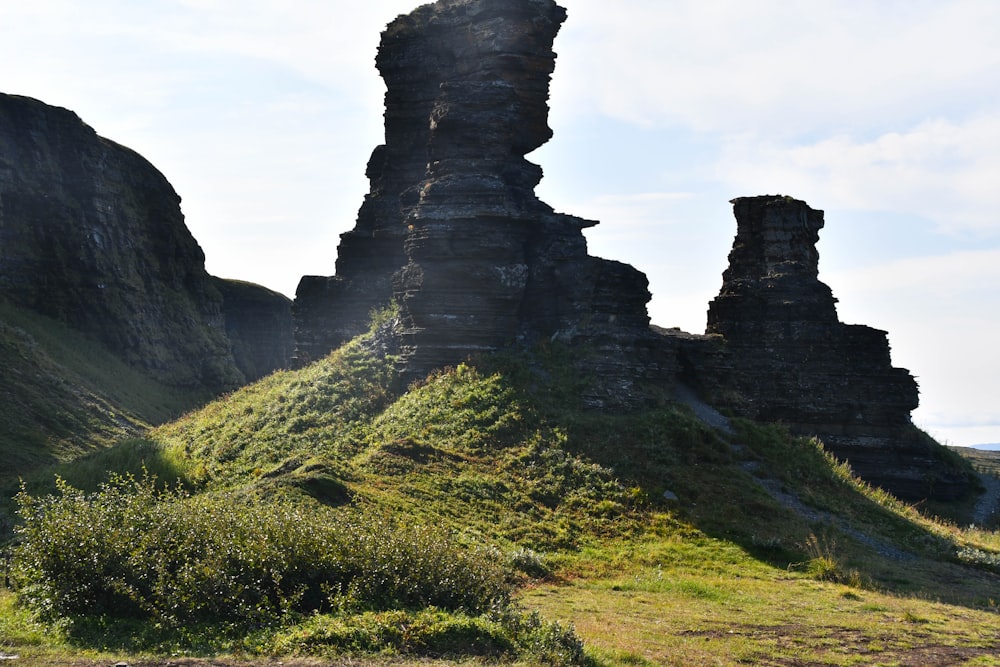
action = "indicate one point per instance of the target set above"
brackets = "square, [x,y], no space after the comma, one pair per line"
[428,632]
[506,633]
[133,549]
[545,643]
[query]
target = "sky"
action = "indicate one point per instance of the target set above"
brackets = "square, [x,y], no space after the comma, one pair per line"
[885,114]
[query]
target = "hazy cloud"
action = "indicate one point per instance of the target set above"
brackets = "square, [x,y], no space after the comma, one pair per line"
[938,169]
[778,68]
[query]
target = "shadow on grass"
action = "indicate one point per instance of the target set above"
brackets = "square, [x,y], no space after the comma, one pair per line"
[787,503]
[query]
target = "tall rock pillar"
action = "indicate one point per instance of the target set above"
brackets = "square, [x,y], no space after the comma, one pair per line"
[791,360]
[452,229]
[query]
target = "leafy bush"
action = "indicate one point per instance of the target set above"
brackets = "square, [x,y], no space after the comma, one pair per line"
[545,643]
[429,631]
[133,549]
[506,633]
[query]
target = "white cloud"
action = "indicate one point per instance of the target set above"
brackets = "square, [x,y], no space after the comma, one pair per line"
[848,104]
[328,42]
[943,326]
[116,43]
[938,169]
[631,211]
[775,67]
[946,275]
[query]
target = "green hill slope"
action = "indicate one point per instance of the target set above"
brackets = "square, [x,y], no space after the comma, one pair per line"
[663,540]
[64,394]
[986,461]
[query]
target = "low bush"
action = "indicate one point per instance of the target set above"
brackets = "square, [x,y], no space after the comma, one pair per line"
[137,549]
[501,634]
[429,631]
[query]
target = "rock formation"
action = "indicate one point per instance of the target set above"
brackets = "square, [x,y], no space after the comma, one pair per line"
[452,232]
[452,229]
[92,234]
[787,358]
[258,324]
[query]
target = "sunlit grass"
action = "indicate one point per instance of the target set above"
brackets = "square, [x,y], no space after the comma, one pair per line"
[720,570]
[676,615]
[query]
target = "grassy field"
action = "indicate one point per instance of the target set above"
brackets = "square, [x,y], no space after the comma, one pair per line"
[659,540]
[707,609]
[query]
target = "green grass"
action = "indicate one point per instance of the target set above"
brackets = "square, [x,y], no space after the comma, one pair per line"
[65,395]
[773,553]
[983,460]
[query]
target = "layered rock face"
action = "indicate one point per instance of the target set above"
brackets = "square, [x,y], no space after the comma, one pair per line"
[258,325]
[92,235]
[787,357]
[454,234]
[452,229]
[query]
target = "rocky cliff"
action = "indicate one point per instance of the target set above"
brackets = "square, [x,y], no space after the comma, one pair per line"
[258,324]
[452,232]
[785,356]
[452,229]
[92,235]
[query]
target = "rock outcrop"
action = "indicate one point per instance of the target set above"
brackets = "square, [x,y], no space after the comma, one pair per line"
[452,232]
[92,235]
[786,357]
[452,229]
[258,324]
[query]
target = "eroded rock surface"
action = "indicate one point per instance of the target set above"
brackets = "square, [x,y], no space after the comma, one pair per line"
[258,324]
[92,234]
[786,357]
[454,234]
[452,229]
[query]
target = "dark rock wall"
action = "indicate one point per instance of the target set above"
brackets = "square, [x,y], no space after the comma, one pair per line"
[452,229]
[453,233]
[786,357]
[258,325]
[486,66]
[329,311]
[92,234]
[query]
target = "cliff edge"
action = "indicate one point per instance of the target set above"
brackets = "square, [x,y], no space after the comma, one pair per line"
[92,235]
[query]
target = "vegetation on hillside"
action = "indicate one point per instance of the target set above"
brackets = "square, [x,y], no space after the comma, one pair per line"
[985,461]
[480,512]
[64,394]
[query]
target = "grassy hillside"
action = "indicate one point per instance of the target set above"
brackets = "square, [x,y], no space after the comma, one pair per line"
[64,394]
[661,540]
[985,461]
